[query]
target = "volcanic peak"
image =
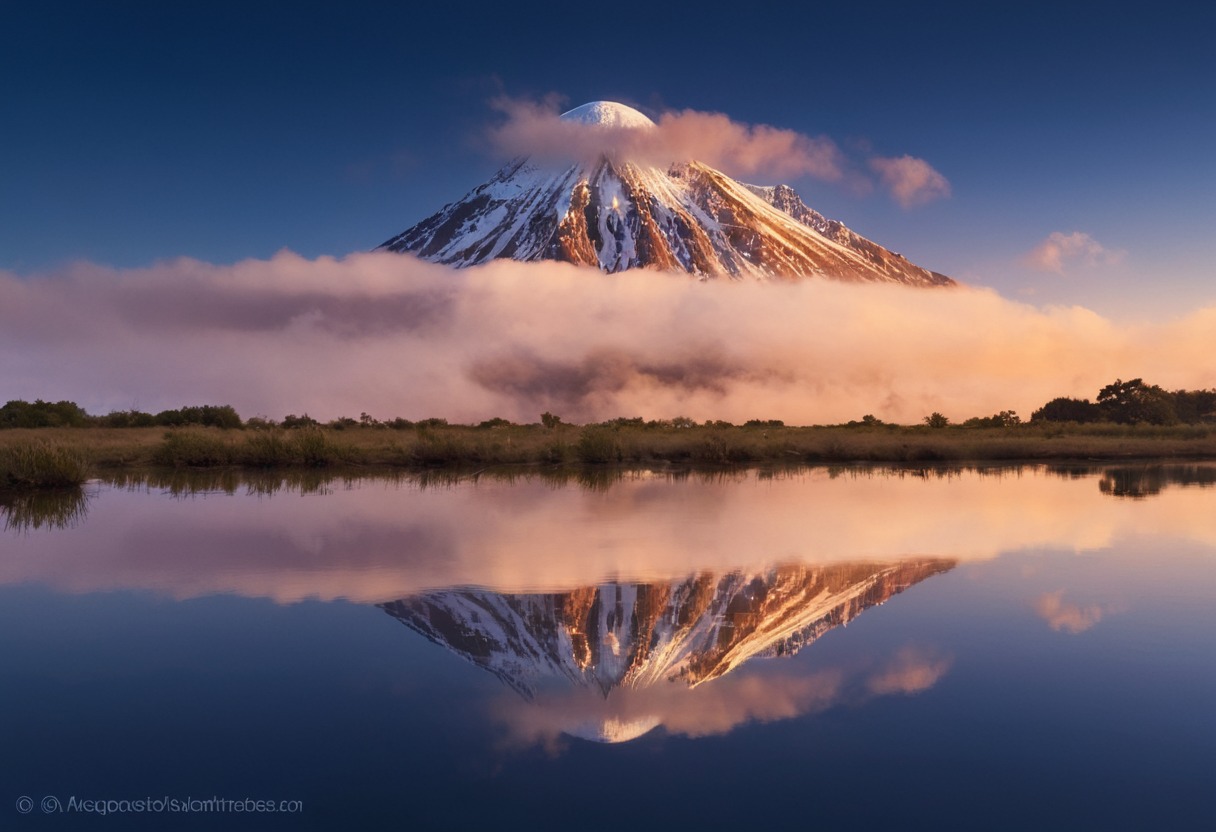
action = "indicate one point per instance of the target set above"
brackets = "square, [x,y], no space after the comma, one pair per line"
[608,114]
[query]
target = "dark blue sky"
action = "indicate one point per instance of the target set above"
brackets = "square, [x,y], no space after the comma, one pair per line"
[134,132]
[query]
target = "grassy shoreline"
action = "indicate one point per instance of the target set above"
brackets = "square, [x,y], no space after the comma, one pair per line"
[56,457]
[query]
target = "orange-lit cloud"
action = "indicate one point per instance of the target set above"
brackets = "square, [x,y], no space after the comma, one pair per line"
[534,129]
[1065,617]
[393,336]
[909,180]
[713,708]
[912,670]
[1061,252]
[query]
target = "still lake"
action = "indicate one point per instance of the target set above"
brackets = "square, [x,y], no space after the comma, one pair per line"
[862,647]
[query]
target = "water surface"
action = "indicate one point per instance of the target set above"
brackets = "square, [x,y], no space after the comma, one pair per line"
[997,647]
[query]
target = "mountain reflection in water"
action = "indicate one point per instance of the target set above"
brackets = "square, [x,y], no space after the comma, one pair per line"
[636,636]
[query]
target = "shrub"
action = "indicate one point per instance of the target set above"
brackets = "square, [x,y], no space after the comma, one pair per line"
[1064,409]
[127,419]
[622,422]
[936,420]
[305,421]
[207,415]
[1004,419]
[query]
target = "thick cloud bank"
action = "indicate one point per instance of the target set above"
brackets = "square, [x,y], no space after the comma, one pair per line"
[394,336]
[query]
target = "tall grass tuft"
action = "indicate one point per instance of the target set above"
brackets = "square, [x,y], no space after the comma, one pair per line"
[192,449]
[311,447]
[434,450]
[598,445]
[267,449]
[42,465]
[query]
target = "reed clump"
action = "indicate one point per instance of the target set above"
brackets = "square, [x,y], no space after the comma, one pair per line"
[596,446]
[40,465]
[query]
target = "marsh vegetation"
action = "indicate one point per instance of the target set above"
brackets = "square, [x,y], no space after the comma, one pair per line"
[58,457]
[57,444]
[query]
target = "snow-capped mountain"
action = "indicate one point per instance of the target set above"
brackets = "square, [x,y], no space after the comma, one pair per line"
[635,635]
[619,214]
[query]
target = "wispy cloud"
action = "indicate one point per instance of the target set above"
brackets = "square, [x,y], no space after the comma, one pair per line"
[535,129]
[1061,252]
[713,708]
[910,181]
[394,336]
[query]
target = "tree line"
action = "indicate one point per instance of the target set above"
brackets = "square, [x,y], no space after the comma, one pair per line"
[65,414]
[1121,402]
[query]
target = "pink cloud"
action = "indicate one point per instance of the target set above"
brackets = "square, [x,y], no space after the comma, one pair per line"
[1066,617]
[912,670]
[909,180]
[1060,252]
[713,708]
[535,129]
